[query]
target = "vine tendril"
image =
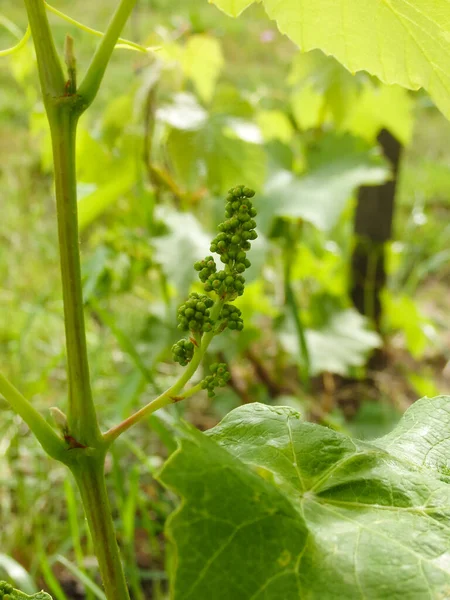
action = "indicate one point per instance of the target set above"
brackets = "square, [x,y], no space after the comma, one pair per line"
[14,30]
[122,43]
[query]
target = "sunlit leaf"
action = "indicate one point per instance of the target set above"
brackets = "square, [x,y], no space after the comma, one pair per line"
[406,42]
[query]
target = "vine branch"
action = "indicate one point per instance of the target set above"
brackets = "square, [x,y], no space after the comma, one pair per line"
[46,435]
[172,394]
[96,70]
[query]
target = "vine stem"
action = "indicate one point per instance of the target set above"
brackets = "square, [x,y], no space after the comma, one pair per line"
[64,105]
[90,478]
[94,75]
[82,418]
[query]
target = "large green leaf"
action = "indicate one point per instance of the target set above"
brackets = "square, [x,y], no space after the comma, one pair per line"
[400,41]
[274,508]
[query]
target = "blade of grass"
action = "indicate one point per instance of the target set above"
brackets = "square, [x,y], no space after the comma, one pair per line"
[17,575]
[82,577]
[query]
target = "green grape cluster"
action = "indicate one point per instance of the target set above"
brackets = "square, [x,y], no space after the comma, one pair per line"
[5,588]
[183,351]
[207,268]
[219,377]
[193,315]
[231,317]
[231,244]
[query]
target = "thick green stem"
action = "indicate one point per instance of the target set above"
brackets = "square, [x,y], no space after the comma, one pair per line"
[89,475]
[49,440]
[50,70]
[85,458]
[82,417]
[93,78]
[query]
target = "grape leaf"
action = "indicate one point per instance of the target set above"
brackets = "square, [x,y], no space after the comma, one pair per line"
[400,41]
[275,508]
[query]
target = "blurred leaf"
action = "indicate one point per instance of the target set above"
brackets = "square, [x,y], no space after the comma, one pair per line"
[374,419]
[40,130]
[325,271]
[117,117]
[94,204]
[14,572]
[233,7]
[275,125]
[427,179]
[423,383]
[229,100]
[202,62]
[377,107]
[276,508]
[243,130]
[340,165]
[344,342]
[401,313]
[405,42]
[218,155]
[323,89]
[94,163]
[177,251]
[308,107]
[184,113]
